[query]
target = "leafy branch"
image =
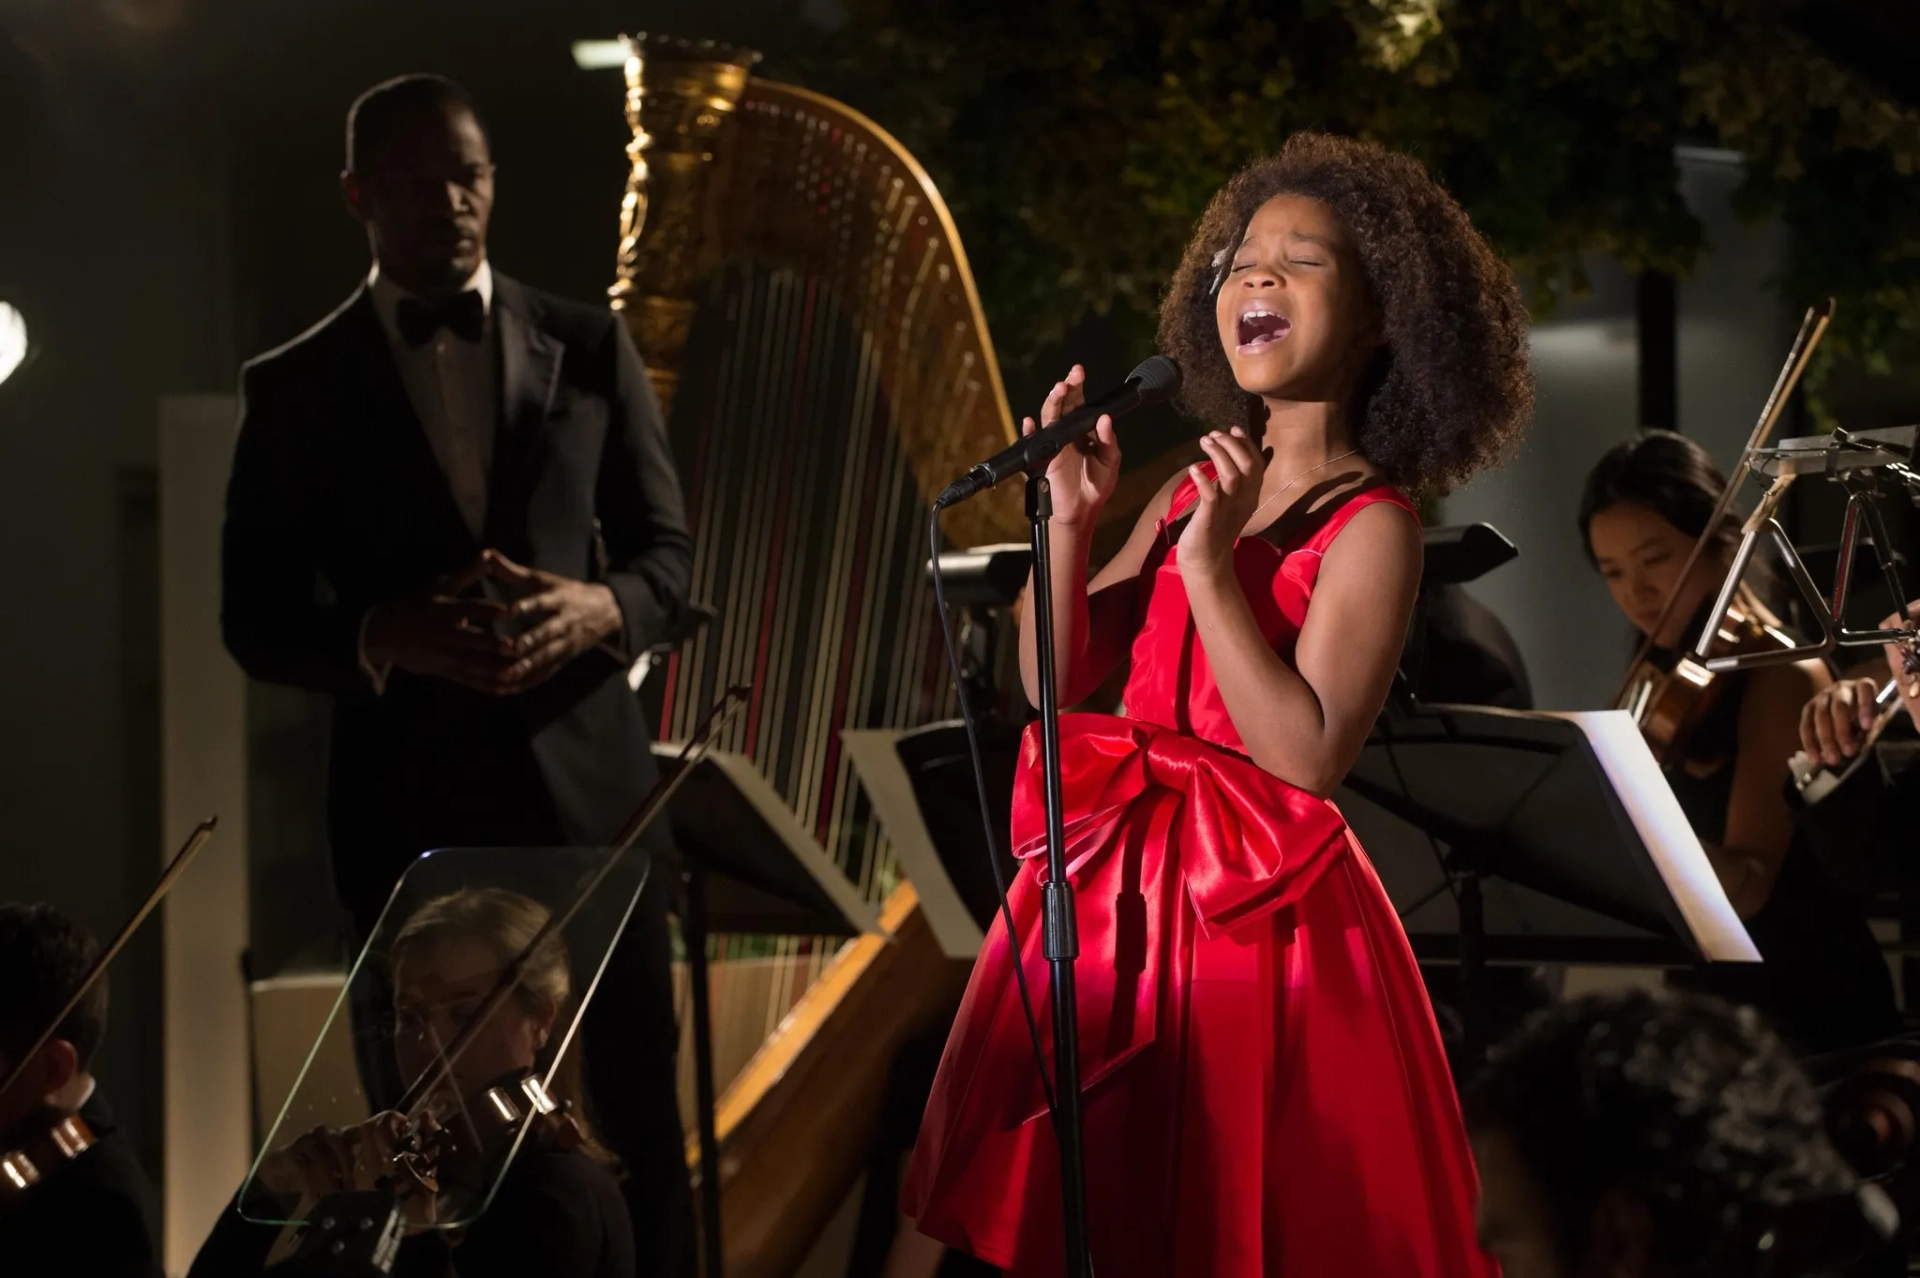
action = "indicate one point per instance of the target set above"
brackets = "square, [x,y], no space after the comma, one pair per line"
[1078,140]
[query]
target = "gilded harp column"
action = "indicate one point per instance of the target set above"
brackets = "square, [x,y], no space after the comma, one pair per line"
[680,95]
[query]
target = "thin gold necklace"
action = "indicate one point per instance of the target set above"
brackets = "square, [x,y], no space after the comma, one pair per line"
[1296,479]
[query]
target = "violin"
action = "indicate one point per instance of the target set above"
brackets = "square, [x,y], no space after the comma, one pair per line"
[1670,702]
[47,1138]
[40,1142]
[450,1153]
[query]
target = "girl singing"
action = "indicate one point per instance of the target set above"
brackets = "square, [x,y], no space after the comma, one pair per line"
[1265,1091]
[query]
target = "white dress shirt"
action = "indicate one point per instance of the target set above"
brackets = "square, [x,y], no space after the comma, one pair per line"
[454,387]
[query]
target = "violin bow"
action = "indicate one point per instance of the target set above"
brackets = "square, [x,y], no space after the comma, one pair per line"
[175,868]
[655,803]
[1812,328]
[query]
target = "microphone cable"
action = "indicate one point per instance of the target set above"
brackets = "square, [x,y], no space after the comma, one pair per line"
[986,812]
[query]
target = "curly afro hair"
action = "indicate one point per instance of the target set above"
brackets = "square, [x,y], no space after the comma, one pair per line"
[1689,1104]
[1450,391]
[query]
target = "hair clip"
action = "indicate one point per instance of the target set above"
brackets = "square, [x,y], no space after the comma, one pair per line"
[1220,261]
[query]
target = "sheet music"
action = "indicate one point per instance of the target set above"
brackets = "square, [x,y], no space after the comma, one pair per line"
[1663,828]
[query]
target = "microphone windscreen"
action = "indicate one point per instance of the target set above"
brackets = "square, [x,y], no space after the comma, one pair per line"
[1156,378]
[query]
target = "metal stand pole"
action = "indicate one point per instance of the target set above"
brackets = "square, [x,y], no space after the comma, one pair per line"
[1060,937]
[1473,970]
[693,931]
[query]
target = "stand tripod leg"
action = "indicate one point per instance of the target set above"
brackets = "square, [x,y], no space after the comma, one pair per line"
[693,931]
[1473,971]
[1060,939]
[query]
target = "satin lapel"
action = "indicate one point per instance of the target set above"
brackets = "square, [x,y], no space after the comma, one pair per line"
[396,428]
[529,376]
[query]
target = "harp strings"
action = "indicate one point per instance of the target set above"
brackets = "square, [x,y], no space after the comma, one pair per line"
[800,389]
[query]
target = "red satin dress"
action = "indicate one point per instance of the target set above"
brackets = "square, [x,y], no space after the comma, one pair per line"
[1265,1091]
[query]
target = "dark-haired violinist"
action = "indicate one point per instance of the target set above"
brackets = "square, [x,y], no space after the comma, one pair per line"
[73,1197]
[1822,979]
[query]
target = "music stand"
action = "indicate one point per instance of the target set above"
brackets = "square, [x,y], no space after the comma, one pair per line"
[920,785]
[749,866]
[1516,837]
[1459,553]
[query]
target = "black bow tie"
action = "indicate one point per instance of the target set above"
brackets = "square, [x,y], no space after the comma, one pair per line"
[464,315]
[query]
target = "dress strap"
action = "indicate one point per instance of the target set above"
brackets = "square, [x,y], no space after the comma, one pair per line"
[1325,524]
[1345,508]
[1185,494]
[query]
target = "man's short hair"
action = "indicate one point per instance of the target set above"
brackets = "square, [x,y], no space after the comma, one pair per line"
[43,956]
[377,114]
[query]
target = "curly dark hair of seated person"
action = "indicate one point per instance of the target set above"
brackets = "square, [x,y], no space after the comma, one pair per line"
[1450,391]
[1684,1102]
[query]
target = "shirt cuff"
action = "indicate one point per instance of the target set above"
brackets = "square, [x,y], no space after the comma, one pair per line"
[615,644]
[376,675]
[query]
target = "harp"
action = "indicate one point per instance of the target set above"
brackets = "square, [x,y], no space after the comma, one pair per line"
[805,309]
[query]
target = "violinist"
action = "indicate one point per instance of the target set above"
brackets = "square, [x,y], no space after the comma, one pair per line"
[94,1213]
[557,1210]
[1861,820]
[1822,979]
[1837,721]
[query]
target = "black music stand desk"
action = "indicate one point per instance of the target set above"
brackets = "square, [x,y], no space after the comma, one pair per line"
[748,866]
[921,787]
[1507,836]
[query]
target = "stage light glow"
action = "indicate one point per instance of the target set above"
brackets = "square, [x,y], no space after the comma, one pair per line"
[13,340]
[599,55]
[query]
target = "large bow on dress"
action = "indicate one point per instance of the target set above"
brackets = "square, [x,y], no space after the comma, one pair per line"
[1150,812]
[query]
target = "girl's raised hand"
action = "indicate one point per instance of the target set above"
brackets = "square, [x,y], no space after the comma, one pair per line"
[1228,499]
[1082,476]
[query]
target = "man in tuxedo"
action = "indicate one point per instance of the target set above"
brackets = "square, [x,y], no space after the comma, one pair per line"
[452,507]
[95,1214]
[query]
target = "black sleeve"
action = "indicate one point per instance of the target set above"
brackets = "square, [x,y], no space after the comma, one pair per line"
[102,1234]
[237,1248]
[555,1221]
[1862,832]
[270,614]
[642,516]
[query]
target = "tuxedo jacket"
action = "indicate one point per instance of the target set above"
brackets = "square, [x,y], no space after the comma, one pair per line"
[97,1215]
[337,503]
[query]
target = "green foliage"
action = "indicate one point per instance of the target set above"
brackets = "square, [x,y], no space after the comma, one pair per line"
[1079,140]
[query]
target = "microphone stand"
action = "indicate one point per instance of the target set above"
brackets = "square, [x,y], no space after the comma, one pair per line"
[1156,378]
[1060,938]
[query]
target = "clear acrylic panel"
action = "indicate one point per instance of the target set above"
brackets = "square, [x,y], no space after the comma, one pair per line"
[433,1106]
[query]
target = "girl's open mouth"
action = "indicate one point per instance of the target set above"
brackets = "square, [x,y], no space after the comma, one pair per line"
[1261,328]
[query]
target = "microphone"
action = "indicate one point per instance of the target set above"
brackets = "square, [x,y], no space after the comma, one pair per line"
[1156,379]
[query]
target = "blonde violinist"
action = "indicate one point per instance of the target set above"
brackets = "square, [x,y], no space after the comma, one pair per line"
[557,1210]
